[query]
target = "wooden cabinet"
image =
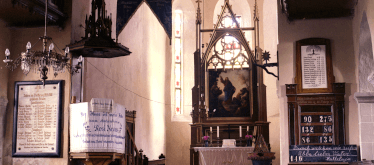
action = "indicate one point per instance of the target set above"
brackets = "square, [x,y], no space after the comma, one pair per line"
[318,118]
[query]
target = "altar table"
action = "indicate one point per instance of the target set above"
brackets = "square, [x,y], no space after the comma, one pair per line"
[224,156]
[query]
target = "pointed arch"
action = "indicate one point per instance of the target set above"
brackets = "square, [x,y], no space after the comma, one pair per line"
[366,66]
[219,32]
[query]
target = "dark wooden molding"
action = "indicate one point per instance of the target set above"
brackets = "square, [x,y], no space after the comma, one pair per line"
[317,9]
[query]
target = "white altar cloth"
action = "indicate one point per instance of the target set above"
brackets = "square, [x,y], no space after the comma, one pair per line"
[224,156]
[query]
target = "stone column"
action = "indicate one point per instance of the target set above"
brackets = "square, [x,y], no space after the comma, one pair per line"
[3,105]
[365,102]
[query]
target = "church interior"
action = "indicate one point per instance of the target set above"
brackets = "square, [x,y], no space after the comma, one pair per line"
[171,68]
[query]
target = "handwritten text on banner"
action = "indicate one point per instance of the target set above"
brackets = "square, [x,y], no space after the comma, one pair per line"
[92,131]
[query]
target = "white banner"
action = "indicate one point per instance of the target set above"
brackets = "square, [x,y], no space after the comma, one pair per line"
[92,131]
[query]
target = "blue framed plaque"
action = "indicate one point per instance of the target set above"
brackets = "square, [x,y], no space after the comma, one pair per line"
[323,153]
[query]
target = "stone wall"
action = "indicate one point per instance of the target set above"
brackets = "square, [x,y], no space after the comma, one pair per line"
[363,27]
[366,124]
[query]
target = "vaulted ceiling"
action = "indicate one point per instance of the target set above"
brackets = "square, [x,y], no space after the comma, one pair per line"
[317,9]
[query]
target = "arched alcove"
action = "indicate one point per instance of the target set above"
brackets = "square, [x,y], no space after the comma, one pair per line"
[366,63]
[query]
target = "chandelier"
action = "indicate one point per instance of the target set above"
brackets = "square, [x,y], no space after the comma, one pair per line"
[42,61]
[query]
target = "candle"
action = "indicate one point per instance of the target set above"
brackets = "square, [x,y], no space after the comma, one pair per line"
[211,130]
[217,131]
[247,128]
[240,131]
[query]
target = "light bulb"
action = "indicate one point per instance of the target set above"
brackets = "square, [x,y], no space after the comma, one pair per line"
[28,45]
[80,59]
[7,52]
[51,46]
[67,50]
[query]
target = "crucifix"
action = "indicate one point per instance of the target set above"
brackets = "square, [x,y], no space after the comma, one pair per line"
[228,130]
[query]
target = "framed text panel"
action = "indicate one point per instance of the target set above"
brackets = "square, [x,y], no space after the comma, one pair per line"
[37,119]
[314,66]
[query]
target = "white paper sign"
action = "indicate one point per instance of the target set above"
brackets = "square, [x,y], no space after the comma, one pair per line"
[37,118]
[92,131]
[313,62]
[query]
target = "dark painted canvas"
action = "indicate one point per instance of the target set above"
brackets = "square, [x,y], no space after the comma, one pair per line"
[229,93]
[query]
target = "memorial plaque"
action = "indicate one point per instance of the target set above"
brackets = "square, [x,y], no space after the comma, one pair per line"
[314,72]
[37,119]
[323,153]
[313,61]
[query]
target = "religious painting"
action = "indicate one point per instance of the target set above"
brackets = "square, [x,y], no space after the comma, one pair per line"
[230,93]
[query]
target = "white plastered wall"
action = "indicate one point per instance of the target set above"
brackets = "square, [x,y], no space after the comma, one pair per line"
[139,81]
[270,33]
[339,31]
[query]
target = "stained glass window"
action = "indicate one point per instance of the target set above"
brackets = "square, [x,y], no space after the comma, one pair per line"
[228,51]
[177,75]
[178,60]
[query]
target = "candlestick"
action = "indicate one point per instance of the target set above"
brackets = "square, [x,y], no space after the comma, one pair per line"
[211,138]
[247,128]
[211,130]
[217,131]
[217,141]
[240,131]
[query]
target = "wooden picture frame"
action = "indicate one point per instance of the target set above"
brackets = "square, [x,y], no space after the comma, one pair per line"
[314,73]
[37,119]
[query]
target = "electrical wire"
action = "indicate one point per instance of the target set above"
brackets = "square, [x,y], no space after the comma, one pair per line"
[126,88]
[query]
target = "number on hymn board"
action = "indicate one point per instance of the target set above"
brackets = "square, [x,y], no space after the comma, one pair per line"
[305,139]
[307,129]
[316,118]
[327,129]
[325,118]
[307,119]
[325,139]
[296,158]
